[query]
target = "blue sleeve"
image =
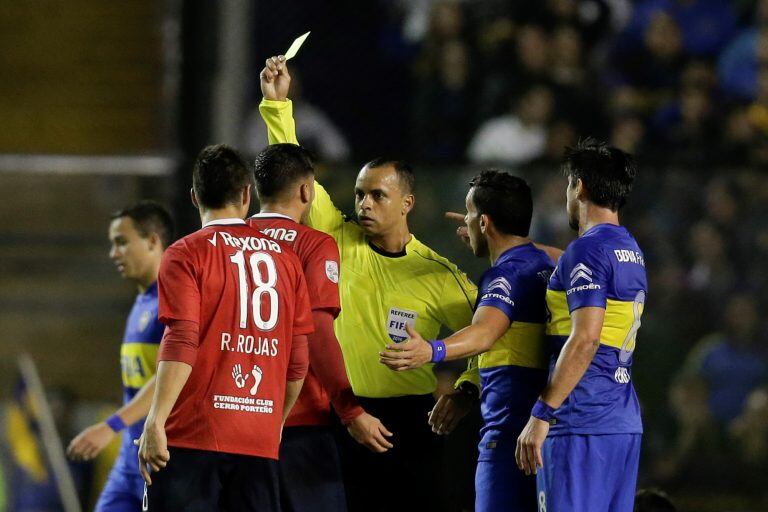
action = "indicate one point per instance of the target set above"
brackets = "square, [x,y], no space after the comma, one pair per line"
[498,291]
[585,273]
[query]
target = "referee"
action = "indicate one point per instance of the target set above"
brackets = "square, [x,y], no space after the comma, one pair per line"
[388,279]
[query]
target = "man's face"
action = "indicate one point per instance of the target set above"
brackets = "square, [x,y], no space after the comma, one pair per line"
[571,203]
[129,251]
[477,240]
[380,203]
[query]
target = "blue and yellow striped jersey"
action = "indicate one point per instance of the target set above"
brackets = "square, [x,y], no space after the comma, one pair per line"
[514,371]
[603,268]
[138,356]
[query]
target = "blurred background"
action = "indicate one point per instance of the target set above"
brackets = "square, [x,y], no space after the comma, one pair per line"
[106,103]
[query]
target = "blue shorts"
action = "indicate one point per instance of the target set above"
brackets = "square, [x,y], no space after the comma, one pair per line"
[589,473]
[500,485]
[123,492]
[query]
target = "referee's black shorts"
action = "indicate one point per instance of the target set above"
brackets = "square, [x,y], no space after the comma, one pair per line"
[203,481]
[407,476]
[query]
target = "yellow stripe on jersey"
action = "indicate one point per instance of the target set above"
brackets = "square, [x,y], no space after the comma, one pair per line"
[377,290]
[618,325]
[522,345]
[138,361]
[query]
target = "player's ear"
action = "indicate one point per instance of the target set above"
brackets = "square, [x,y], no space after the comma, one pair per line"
[408,202]
[581,190]
[154,242]
[194,198]
[305,192]
[484,221]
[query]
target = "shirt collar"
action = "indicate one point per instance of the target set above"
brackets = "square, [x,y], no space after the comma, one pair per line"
[224,222]
[270,215]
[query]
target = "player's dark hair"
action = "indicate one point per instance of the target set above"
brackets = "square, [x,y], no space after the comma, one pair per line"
[506,199]
[606,172]
[279,166]
[404,171]
[149,217]
[653,500]
[218,176]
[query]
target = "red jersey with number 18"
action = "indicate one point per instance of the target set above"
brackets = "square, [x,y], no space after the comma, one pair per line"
[248,295]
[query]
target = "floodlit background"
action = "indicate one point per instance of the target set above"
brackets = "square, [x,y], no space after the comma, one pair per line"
[105,103]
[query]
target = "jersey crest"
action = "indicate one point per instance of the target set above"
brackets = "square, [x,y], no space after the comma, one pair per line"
[396,322]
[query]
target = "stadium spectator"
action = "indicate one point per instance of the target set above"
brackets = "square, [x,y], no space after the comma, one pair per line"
[518,137]
[653,500]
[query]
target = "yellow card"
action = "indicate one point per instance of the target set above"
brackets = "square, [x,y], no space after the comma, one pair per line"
[294,49]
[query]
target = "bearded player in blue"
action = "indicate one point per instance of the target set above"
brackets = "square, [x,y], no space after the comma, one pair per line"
[138,237]
[583,437]
[507,335]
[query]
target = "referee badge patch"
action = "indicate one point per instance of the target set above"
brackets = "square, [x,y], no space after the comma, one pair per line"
[332,271]
[396,321]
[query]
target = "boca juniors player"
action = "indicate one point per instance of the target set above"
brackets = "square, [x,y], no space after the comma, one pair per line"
[507,334]
[583,437]
[138,236]
[233,357]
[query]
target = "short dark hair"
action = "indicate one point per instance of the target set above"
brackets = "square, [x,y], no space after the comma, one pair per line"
[506,199]
[607,172]
[279,166]
[653,500]
[149,217]
[404,171]
[219,174]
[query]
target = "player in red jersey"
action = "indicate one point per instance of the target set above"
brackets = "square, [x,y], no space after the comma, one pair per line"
[237,313]
[310,470]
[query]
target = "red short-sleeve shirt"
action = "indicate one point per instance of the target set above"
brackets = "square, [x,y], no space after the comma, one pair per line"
[248,295]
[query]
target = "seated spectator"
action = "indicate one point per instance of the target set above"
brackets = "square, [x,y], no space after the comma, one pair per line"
[519,136]
[738,64]
[653,500]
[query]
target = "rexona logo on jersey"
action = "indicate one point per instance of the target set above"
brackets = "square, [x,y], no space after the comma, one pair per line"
[248,243]
[396,322]
[288,235]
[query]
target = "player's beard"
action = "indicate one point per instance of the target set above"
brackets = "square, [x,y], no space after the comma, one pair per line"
[481,248]
[573,221]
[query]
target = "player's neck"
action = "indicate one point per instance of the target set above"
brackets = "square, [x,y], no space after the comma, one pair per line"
[501,245]
[394,241]
[590,215]
[143,283]
[282,209]
[228,212]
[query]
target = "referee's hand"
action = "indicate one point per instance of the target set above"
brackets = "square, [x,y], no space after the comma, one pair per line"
[153,450]
[275,80]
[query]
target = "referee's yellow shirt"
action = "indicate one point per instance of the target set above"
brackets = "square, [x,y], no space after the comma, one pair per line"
[380,293]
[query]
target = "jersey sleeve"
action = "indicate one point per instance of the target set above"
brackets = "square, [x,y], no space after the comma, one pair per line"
[471,374]
[278,116]
[178,289]
[303,323]
[321,271]
[281,128]
[499,291]
[585,274]
[457,299]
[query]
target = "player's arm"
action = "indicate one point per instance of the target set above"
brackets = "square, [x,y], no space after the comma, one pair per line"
[297,371]
[488,325]
[451,407]
[153,446]
[277,111]
[91,441]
